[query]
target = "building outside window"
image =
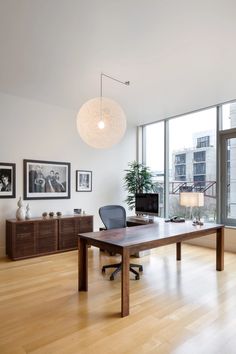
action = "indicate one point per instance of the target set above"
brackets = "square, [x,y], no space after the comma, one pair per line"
[180,170]
[203,141]
[180,158]
[199,168]
[199,183]
[199,156]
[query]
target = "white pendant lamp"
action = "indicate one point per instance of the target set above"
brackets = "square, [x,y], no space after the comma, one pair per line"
[101,121]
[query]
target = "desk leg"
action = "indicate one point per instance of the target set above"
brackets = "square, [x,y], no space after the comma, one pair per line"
[220,249]
[83,265]
[178,251]
[125,284]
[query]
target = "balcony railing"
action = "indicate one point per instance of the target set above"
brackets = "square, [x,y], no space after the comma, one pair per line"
[175,187]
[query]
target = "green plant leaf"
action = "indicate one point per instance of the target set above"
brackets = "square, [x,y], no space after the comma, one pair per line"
[138,179]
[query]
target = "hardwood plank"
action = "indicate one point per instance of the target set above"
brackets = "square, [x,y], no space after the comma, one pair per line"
[180,307]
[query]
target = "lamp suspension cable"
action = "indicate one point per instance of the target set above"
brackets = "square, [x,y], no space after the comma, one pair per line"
[101,124]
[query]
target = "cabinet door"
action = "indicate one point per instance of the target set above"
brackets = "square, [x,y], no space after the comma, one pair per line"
[67,234]
[85,224]
[46,236]
[23,242]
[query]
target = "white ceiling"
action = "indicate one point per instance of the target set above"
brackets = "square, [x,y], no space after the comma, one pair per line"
[179,55]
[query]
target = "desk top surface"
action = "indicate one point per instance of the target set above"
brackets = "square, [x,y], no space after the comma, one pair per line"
[160,231]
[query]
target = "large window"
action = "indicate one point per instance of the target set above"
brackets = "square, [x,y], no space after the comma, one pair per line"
[229,115]
[191,156]
[192,160]
[228,185]
[188,135]
[228,163]
[154,153]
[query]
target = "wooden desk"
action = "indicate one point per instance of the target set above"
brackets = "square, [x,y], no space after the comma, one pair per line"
[130,240]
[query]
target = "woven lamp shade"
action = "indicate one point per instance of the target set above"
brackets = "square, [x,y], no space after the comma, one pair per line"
[113,118]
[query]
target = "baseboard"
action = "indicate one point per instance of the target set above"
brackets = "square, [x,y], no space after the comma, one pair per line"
[210,241]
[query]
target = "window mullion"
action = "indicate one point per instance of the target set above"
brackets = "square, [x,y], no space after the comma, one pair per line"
[166,169]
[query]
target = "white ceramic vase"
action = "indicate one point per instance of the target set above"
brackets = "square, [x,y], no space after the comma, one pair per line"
[28,212]
[20,213]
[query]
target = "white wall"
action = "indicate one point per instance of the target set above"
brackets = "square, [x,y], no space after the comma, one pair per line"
[34,130]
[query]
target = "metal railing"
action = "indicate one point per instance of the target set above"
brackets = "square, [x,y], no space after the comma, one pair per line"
[175,187]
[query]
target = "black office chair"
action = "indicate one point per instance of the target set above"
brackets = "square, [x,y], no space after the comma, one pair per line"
[114,217]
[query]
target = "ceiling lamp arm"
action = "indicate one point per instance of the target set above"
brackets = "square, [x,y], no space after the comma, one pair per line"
[101,124]
[127,83]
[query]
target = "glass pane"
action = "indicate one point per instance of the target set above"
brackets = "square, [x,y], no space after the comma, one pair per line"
[231,178]
[199,156]
[192,161]
[155,158]
[199,168]
[229,115]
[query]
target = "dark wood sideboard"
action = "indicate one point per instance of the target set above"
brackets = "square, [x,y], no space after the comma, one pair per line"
[41,236]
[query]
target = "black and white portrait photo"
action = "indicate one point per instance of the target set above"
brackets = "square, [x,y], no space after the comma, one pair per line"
[46,180]
[7,180]
[83,181]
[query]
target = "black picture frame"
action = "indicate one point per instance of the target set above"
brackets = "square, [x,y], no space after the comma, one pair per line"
[83,181]
[46,179]
[7,180]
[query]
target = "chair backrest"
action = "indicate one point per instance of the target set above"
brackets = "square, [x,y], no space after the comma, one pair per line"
[113,216]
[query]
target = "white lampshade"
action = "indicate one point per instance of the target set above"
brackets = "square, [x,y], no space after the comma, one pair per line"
[101,125]
[191,199]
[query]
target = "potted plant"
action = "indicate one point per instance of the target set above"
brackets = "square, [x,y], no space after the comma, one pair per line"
[138,179]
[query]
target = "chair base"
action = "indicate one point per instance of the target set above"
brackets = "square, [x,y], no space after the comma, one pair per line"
[118,267]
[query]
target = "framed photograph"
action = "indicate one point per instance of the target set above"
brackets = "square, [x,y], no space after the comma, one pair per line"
[83,181]
[46,179]
[7,180]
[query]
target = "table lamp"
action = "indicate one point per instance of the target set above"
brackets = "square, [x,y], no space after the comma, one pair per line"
[192,199]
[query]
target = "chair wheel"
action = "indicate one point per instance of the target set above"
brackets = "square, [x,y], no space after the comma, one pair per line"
[141,268]
[103,270]
[111,277]
[137,277]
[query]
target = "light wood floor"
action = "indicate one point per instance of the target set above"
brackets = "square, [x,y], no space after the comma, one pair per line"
[176,307]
